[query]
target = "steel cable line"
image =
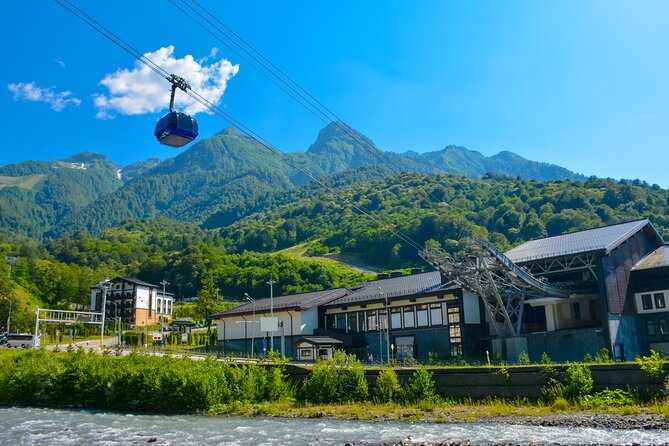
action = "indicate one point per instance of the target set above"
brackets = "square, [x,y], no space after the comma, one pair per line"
[328,116]
[218,111]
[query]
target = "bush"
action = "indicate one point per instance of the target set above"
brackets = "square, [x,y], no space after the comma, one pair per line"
[609,398]
[421,386]
[552,391]
[387,386]
[135,382]
[653,365]
[337,380]
[578,381]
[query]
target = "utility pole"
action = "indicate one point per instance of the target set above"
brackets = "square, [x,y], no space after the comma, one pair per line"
[164,283]
[217,290]
[253,328]
[9,313]
[271,283]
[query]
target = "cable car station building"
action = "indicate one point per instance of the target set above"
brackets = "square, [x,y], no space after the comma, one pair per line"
[567,296]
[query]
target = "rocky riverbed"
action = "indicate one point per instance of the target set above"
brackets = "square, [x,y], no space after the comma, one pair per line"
[576,420]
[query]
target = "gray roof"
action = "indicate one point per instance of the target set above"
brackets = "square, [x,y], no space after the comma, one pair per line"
[129,280]
[395,286]
[319,340]
[605,239]
[656,259]
[303,301]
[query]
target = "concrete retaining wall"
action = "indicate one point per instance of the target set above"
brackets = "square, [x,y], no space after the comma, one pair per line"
[520,382]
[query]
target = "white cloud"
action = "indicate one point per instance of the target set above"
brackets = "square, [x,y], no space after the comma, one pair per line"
[141,90]
[31,92]
[60,63]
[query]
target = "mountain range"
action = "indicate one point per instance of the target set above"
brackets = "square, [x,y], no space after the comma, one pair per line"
[88,192]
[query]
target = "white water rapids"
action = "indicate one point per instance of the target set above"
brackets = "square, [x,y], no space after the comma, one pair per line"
[31,426]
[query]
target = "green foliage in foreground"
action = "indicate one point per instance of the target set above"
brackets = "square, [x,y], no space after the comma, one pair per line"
[337,380]
[135,382]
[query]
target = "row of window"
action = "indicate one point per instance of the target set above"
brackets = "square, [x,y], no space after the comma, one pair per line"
[659,327]
[410,316]
[653,302]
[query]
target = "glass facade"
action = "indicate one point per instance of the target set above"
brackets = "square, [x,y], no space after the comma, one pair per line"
[407,317]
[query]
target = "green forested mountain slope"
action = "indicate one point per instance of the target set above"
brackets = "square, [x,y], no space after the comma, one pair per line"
[215,181]
[35,195]
[504,210]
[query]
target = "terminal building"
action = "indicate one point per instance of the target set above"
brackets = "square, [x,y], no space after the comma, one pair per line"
[566,296]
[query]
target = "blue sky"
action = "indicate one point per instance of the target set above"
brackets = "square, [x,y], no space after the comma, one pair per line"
[581,84]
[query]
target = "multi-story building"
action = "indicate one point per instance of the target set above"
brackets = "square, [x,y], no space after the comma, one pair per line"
[133,301]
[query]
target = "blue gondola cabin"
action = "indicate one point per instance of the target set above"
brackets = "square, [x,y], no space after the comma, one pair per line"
[176,129]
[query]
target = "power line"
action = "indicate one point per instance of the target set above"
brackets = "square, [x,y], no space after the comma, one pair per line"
[218,111]
[279,76]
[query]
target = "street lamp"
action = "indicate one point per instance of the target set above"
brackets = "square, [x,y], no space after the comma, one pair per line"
[9,313]
[385,297]
[271,283]
[162,311]
[105,286]
[253,328]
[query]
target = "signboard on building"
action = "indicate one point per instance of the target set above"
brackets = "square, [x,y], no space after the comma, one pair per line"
[269,323]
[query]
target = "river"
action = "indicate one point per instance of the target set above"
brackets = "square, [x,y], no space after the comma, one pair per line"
[31,426]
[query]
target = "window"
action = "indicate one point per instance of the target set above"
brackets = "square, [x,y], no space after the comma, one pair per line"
[453,315]
[664,327]
[383,320]
[650,328]
[395,318]
[436,315]
[409,321]
[646,302]
[305,353]
[341,322]
[330,321]
[371,321]
[421,316]
[362,321]
[352,321]
[659,300]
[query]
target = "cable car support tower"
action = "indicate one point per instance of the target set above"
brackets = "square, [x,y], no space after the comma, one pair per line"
[501,285]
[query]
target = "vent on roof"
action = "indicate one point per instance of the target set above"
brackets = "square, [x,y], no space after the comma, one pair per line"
[396,274]
[382,276]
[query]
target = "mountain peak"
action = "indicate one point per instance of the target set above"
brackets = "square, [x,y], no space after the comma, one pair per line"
[85,157]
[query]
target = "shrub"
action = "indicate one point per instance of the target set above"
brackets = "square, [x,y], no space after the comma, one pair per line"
[609,398]
[421,386]
[653,365]
[336,380]
[387,386]
[545,359]
[552,391]
[560,404]
[603,356]
[578,381]
[524,358]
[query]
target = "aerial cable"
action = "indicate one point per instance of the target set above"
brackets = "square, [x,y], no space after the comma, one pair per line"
[300,101]
[328,116]
[217,110]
